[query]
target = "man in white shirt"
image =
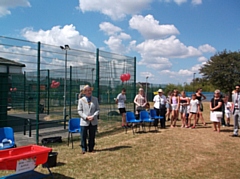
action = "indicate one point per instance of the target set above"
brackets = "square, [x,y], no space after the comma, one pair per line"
[160,101]
[121,98]
[236,110]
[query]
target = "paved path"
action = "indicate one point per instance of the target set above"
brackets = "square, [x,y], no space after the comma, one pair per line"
[16,121]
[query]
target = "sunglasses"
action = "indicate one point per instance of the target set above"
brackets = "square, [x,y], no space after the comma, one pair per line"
[236,88]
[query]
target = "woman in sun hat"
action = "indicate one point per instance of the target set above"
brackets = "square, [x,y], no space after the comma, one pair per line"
[88,110]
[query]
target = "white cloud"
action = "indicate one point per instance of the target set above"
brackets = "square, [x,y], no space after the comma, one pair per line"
[179,2]
[202,59]
[150,28]
[109,28]
[156,63]
[116,38]
[146,74]
[207,48]
[196,2]
[60,36]
[169,48]
[115,45]
[5,5]
[124,36]
[185,72]
[196,68]
[170,74]
[114,9]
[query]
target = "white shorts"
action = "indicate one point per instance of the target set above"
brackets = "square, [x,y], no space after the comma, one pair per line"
[174,106]
[228,115]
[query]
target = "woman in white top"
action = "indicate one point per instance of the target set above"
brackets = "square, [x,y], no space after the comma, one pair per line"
[140,101]
[194,108]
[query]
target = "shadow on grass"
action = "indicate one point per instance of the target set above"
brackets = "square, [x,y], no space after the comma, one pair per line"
[114,148]
[60,164]
[58,176]
[226,130]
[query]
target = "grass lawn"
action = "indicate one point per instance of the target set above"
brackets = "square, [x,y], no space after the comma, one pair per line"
[168,153]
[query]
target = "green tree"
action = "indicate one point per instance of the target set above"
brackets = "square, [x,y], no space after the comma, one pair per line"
[222,70]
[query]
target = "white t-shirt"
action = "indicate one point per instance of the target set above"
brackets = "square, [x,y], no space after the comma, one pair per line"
[121,100]
[194,105]
[159,99]
[228,106]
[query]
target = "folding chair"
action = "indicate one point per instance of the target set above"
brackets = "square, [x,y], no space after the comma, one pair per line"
[146,118]
[73,127]
[130,118]
[6,138]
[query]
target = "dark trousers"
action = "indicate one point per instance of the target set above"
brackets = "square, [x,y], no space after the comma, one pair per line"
[223,115]
[90,132]
[161,112]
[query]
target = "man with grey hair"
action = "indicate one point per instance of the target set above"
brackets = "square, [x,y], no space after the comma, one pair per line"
[236,111]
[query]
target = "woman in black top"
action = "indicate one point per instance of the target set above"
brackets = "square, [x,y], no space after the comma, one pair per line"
[216,110]
[200,97]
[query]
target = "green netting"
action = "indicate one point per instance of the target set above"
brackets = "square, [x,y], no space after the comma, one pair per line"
[31,90]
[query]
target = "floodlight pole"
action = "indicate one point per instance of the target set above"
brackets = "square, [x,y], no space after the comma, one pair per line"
[146,86]
[66,48]
[193,80]
[92,75]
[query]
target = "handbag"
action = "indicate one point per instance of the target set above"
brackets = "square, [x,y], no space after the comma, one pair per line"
[140,108]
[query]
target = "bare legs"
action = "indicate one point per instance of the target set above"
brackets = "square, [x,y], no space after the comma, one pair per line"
[183,119]
[174,118]
[216,126]
[189,120]
[201,117]
[124,119]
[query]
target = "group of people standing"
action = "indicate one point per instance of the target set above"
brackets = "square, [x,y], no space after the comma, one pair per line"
[173,105]
[178,104]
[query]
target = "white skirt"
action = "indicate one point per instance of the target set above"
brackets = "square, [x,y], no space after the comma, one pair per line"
[215,116]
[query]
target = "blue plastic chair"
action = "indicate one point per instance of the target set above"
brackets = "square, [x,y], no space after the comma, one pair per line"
[7,138]
[146,118]
[73,127]
[131,119]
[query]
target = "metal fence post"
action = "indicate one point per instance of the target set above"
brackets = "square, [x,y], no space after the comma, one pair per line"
[134,82]
[38,92]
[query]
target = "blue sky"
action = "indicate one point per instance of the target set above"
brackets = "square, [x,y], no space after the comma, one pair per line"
[171,39]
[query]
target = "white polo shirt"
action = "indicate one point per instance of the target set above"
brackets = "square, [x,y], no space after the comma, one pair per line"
[159,99]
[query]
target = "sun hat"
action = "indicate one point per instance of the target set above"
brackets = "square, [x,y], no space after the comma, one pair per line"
[160,91]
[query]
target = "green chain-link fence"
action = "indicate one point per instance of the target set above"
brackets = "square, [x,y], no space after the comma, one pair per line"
[51,80]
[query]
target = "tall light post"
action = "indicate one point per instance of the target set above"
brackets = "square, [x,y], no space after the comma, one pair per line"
[146,86]
[92,75]
[66,48]
[193,80]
